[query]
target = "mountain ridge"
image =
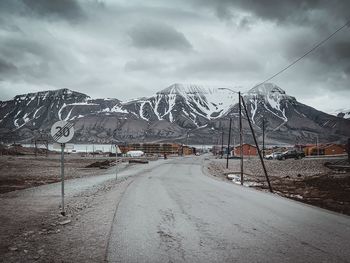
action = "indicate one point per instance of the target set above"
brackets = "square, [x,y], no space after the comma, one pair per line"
[200,111]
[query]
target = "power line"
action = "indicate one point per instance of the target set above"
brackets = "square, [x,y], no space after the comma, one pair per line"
[307,53]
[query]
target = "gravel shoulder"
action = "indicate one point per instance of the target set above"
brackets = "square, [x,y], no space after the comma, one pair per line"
[306,180]
[21,172]
[32,229]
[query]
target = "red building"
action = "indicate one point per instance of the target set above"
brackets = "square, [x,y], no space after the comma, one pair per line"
[248,150]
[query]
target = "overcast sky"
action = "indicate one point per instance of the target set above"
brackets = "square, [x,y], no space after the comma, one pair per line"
[127,49]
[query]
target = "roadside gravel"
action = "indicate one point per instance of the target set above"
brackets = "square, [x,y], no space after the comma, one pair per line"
[32,229]
[306,180]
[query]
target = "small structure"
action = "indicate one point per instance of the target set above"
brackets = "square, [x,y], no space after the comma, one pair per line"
[151,148]
[187,150]
[248,150]
[325,149]
[41,139]
[135,153]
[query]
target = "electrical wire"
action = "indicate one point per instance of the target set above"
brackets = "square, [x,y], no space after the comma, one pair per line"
[307,53]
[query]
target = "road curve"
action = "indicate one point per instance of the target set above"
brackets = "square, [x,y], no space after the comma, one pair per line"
[174,213]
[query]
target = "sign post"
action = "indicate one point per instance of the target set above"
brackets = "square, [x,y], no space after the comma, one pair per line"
[62,178]
[117,151]
[62,132]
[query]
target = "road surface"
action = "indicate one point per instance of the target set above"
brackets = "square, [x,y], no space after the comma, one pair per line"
[175,213]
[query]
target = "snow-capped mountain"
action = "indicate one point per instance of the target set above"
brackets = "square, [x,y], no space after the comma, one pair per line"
[35,109]
[190,106]
[172,114]
[286,119]
[342,113]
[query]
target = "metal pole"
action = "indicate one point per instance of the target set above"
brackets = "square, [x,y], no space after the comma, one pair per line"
[257,146]
[62,178]
[228,144]
[47,148]
[240,135]
[116,165]
[349,150]
[263,130]
[35,149]
[222,143]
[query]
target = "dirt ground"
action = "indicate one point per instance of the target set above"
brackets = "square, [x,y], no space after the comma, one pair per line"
[20,172]
[306,180]
[43,235]
[31,227]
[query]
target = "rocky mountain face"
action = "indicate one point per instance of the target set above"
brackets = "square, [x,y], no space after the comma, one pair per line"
[342,113]
[179,113]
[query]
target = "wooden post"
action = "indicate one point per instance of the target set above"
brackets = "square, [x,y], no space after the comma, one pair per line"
[222,143]
[240,134]
[228,144]
[257,147]
[349,150]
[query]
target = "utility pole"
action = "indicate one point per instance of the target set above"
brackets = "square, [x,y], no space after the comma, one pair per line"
[222,143]
[349,150]
[263,135]
[187,135]
[240,130]
[240,134]
[257,146]
[228,143]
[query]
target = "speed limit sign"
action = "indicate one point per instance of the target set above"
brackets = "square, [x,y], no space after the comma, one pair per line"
[62,131]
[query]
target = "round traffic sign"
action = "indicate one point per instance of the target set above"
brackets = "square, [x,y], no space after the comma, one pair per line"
[62,131]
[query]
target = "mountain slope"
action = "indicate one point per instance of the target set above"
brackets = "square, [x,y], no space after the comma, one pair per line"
[342,113]
[179,111]
[189,106]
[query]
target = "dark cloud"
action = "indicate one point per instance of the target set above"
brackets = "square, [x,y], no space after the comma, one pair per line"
[220,64]
[342,50]
[158,36]
[295,11]
[68,9]
[135,48]
[6,67]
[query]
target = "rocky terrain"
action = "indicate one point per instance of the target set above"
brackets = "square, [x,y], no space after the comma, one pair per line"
[16,174]
[179,113]
[342,113]
[306,180]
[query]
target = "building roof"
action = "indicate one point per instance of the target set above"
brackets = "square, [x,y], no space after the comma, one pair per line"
[238,146]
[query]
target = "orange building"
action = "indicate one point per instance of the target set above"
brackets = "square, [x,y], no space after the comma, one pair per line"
[325,149]
[248,150]
[187,150]
[152,148]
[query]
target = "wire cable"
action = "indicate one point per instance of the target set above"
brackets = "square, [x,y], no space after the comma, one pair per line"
[307,53]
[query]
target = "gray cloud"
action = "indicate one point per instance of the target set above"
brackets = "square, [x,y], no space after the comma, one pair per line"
[219,64]
[6,67]
[114,48]
[67,9]
[70,10]
[294,11]
[144,65]
[159,36]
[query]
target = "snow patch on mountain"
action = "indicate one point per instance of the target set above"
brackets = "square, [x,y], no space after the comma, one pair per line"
[208,102]
[273,97]
[342,113]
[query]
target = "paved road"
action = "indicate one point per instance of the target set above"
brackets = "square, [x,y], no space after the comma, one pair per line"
[174,213]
